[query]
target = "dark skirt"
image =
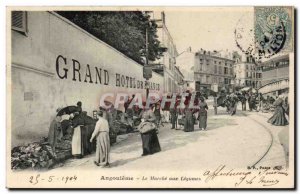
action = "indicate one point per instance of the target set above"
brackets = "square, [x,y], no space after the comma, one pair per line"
[189,122]
[150,142]
[89,147]
[233,108]
[278,118]
[203,121]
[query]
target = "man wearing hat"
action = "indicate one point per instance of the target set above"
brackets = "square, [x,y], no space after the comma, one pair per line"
[79,106]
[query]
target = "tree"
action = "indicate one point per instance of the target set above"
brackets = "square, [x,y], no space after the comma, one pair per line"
[123,30]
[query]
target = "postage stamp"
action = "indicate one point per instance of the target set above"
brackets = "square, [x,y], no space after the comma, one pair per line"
[273,28]
[266,32]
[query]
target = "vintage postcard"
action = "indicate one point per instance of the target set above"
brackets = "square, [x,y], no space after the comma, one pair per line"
[150,97]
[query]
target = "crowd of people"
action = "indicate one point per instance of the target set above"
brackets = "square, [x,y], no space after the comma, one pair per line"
[86,133]
[96,134]
[257,102]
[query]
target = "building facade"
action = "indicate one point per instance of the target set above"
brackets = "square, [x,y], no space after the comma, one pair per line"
[275,75]
[50,68]
[213,71]
[179,81]
[186,62]
[169,57]
[247,73]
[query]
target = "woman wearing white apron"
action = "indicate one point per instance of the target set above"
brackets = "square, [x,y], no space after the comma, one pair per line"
[78,123]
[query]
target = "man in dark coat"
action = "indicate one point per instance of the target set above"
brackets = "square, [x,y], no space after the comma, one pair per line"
[173,113]
[111,117]
[79,106]
[243,101]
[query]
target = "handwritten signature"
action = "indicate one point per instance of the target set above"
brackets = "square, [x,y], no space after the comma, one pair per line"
[261,175]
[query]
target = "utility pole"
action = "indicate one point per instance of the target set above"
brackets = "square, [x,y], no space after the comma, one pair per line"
[147,69]
[147,63]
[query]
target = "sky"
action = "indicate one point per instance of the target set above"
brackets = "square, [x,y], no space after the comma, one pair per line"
[206,27]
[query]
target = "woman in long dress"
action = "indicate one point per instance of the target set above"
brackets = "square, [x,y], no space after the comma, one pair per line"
[286,107]
[189,120]
[202,114]
[77,139]
[278,118]
[148,130]
[233,103]
[101,133]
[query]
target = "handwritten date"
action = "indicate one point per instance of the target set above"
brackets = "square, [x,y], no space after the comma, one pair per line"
[39,178]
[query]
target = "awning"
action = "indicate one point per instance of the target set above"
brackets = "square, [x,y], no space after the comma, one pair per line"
[245,89]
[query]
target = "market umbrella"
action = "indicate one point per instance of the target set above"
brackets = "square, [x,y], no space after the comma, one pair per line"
[67,110]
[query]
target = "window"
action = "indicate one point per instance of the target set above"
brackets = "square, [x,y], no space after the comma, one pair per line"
[249,59]
[225,80]
[220,70]
[215,62]
[246,66]
[216,69]
[231,71]
[202,79]
[19,21]
[225,70]
[207,79]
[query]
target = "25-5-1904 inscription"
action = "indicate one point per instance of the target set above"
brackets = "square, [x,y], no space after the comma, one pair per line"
[36,179]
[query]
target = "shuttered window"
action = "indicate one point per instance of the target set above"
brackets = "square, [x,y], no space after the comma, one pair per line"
[19,21]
